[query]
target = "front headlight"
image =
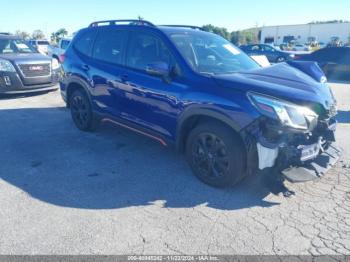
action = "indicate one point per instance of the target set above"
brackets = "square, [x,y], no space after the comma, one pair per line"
[292,55]
[55,64]
[6,66]
[298,117]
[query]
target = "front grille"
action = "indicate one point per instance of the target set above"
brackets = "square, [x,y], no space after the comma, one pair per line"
[35,70]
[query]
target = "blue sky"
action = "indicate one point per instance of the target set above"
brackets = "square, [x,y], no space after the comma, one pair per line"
[50,15]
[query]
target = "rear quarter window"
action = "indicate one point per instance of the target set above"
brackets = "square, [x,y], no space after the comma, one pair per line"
[110,45]
[84,41]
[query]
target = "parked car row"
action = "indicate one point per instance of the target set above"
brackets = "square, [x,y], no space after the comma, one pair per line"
[23,69]
[273,55]
[40,45]
[335,61]
[57,51]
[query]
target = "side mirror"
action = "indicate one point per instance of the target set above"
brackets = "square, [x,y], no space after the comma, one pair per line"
[160,69]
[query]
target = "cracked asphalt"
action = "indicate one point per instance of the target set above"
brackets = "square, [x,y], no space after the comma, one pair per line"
[113,192]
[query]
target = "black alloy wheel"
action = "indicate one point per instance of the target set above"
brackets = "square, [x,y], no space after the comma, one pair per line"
[81,111]
[215,155]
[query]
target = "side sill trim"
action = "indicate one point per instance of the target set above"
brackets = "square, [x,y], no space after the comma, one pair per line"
[161,141]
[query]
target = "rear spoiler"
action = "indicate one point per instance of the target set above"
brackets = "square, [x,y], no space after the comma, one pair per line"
[310,68]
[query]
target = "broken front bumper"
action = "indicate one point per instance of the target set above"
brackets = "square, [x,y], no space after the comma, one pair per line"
[314,169]
[298,156]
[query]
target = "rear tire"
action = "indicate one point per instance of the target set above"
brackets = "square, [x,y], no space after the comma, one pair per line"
[81,111]
[215,155]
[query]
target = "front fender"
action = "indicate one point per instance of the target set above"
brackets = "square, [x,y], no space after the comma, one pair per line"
[237,119]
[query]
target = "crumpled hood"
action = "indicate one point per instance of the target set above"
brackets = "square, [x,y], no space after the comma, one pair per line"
[18,58]
[282,81]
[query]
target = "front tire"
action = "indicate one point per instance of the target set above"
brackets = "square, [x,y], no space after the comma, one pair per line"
[81,111]
[215,155]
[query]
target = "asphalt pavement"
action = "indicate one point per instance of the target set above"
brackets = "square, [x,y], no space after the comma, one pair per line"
[63,191]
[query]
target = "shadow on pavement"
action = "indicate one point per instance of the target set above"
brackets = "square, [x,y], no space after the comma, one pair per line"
[43,154]
[31,94]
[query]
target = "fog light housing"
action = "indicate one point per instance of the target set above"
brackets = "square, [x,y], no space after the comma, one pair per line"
[7,80]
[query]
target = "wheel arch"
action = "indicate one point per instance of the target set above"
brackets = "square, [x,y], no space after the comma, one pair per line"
[74,84]
[189,120]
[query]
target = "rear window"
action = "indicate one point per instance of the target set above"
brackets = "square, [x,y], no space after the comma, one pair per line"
[109,46]
[43,43]
[84,41]
[65,44]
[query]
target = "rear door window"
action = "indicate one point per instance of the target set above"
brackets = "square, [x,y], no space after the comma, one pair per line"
[84,42]
[110,45]
[267,48]
[255,48]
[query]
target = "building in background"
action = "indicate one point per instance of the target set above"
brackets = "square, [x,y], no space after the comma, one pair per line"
[306,33]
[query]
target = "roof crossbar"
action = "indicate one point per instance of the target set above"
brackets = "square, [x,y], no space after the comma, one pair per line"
[187,26]
[124,21]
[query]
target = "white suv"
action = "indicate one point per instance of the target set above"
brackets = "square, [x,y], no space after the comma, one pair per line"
[41,45]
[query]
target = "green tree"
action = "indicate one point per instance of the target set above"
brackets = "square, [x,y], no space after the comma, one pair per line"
[38,34]
[62,32]
[22,34]
[218,30]
[58,35]
[248,36]
[235,37]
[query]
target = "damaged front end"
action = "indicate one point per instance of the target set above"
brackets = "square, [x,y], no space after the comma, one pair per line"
[296,140]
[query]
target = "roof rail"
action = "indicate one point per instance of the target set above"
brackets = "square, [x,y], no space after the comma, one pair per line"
[187,26]
[4,33]
[115,22]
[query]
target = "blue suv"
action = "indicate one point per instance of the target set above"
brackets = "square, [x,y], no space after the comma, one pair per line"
[185,87]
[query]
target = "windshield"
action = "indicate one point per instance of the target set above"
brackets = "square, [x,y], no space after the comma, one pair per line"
[11,46]
[210,54]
